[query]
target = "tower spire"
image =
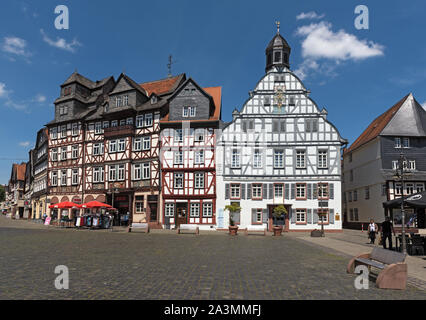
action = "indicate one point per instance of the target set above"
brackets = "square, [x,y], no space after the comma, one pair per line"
[278,26]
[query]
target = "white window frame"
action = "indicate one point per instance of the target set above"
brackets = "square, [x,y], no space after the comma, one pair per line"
[257,159]
[256,190]
[236,158]
[235,191]
[199,180]
[148,119]
[301,215]
[74,151]
[64,181]
[139,121]
[54,178]
[74,177]
[178,176]
[169,210]
[199,156]
[121,174]
[178,157]
[207,209]
[74,130]
[146,143]
[137,144]
[300,159]
[98,128]
[178,135]
[121,145]
[322,159]
[279,159]
[146,170]
[112,146]
[194,210]
[278,190]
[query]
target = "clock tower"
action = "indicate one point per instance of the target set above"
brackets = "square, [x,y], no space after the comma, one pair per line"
[277,52]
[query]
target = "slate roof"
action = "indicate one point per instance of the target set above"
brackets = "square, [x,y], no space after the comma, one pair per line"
[277,41]
[405,118]
[76,77]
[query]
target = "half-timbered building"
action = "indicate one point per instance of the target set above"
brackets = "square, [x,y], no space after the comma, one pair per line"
[188,165]
[280,149]
[39,195]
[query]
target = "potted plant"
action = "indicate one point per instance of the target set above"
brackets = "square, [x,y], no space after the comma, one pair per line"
[278,212]
[233,208]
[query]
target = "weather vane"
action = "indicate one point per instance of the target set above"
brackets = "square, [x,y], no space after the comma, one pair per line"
[278,26]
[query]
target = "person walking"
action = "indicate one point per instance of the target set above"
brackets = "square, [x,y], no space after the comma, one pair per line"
[387,230]
[372,230]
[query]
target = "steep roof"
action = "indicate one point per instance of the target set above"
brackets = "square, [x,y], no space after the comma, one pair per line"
[76,77]
[18,171]
[163,86]
[405,118]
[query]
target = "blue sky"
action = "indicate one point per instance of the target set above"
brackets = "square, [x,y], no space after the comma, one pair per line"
[355,74]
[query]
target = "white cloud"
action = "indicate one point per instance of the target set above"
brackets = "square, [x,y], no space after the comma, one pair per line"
[3,91]
[309,15]
[40,98]
[61,43]
[24,143]
[324,49]
[16,105]
[15,45]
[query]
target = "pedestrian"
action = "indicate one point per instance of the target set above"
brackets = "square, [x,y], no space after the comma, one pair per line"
[372,230]
[387,230]
[44,217]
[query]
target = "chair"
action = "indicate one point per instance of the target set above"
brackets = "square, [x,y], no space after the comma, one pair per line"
[416,246]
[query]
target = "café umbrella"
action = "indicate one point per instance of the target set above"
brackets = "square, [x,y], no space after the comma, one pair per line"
[94,204]
[63,205]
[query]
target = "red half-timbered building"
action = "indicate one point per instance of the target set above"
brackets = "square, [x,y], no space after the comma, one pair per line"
[188,166]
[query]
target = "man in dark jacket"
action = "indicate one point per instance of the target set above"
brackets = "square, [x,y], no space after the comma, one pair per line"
[387,230]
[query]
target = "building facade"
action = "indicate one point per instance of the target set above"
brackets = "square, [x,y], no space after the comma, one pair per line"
[188,164]
[370,164]
[40,161]
[15,194]
[280,149]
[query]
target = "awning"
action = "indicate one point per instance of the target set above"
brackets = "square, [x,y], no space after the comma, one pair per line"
[417,200]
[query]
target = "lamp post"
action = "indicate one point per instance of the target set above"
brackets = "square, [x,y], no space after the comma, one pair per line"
[112,191]
[400,173]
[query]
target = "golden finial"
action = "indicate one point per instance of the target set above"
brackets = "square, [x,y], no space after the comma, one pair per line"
[278,26]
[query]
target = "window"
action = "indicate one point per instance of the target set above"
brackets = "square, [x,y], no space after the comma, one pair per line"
[74,177]
[351,214]
[189,112]
[114,123]
[322,159]
[169,210]
[139,204]
[324,217]
[148,120]
[98,128]
[74,153]
[300,159]
[55,154]
[367,193]
[74,129]
[178,135]
[178,177]
[311,125]
[397,142]
[395,164]
[53,133]
[322,191]
[112,173]
[409,187]
[137,171]
[405,142]
[278,190]
[384,191]
[98,174]
[350,196]
[199,157]
[178,157]
[122,122]
[67,91]
[54,178]
[235,191]
[63,177]
[64,153]
[63,110]
[199,180]
[278,159]
[398,188]
[137,144]
[207,209]
[300,215]
[420,187]
[118,101]
[355,195]
[256,191]
[291,101]
[120,175]
[129,121]
[113,146]
[139,121]
[125,100]
[146,143]
[356,217]
[257,159]
[199,135]
[121,146]
[300,191]
[257,216]
[105,124]
[63,131]
[195,210]
[146,170]
[236,159]
[277,56]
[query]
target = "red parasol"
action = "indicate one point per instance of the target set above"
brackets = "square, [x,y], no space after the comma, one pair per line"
[64,205]
[95,204]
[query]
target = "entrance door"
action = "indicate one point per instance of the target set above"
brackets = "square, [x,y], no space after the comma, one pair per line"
[181,212]
[152,212]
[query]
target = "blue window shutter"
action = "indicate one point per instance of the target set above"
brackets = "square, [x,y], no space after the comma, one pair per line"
[243,191]
[309,191]
[309,216]
[293,191]
[315,216]
[237,216]
[265,216]
[331,190]
[287,191]
[331,216]
[226,190]
[271,191]
[293,215]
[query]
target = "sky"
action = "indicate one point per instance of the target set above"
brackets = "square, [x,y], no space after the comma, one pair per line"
[356,74]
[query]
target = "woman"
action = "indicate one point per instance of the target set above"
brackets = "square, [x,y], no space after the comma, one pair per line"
[372,230]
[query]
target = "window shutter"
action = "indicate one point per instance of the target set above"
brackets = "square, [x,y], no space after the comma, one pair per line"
[315,191]
[271,191]
[331,190]
[253,216]
[243,191]
[307,125]
[226,190]
[293,191]
[315,216]
[244,123]
[287,191]
[263,123]
[251,124]
[293,215]
[331,216]
[309,216]
[236,217]
[309,191]
[265,191]
[248,190]
[265,216]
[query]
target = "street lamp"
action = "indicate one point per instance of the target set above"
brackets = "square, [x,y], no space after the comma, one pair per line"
[400,174]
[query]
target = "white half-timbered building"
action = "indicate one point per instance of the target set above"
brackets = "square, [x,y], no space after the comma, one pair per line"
[280,149]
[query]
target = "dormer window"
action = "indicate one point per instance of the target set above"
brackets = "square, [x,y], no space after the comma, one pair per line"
[189,112]
[67,91]
[63,110]
[154,99]
[277,57]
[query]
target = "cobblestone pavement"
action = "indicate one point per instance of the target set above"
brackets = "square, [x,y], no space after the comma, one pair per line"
[119,265]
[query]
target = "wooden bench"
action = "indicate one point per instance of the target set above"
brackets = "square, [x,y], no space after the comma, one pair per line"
[139,226]
[190,228]
[256,229]
[393,274]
